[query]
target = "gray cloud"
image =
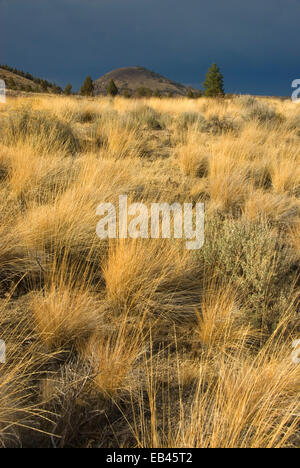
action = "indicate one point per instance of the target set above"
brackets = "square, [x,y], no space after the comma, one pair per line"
[255,43]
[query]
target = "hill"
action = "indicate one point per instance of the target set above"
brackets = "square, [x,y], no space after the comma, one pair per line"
[12,79]
[21,81]
[139,80]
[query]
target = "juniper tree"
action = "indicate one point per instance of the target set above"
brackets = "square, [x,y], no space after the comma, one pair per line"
[112,89]
[68,89]
[213,83]
[87,89]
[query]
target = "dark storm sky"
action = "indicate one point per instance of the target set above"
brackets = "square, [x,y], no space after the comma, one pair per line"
[255,43]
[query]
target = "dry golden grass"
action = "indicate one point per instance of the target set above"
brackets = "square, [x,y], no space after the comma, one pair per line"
[142,343]
[295,238]
[219,322]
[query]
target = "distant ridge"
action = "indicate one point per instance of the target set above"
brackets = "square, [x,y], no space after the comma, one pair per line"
[19,80]
[132,79]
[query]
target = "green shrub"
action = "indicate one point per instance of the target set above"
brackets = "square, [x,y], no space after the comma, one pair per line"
[217,125]
[145,116]
[112,89]
[262,113]
[214,124]
[189,119]
[257,110]
[245,101]
[255,261]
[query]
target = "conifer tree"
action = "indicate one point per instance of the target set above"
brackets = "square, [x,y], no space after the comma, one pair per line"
[213,83]
[87,89]
[68,89]
[112,89]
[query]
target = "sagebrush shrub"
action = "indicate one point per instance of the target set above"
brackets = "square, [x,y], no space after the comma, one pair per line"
[144,116]
[255,260]
[217,125]
[262,113]
[188,119]
[213,124]
[245,101]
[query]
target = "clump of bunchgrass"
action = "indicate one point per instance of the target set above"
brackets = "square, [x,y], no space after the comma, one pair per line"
[39,129]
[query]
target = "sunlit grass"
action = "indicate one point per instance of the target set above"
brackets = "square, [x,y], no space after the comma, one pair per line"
[142,343]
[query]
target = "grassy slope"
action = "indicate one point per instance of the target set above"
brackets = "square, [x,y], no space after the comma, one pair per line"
[141,343]
[19,80]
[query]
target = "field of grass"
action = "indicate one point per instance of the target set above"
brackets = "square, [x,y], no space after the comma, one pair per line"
[142,343]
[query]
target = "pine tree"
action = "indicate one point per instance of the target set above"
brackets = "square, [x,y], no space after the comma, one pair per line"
[68,89]
[87,89]
[213,83]
[112,89]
